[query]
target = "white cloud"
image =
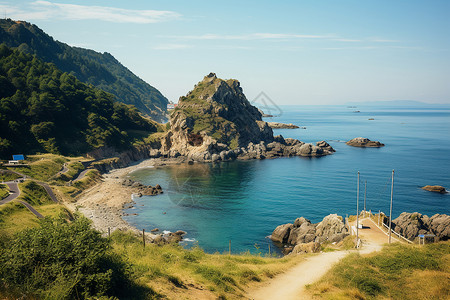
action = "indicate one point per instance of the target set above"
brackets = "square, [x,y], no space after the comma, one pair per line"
[44,10]
[171,47]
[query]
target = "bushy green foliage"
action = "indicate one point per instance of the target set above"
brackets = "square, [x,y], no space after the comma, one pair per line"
[61,260]
[45,110]
[100,70]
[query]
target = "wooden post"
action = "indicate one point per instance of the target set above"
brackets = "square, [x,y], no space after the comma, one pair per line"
[390,209]
[143,237]
[357,213]
[229,247]
[109,232]
[269,248]
[379,215]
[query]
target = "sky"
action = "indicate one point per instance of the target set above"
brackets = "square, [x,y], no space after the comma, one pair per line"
[296,52]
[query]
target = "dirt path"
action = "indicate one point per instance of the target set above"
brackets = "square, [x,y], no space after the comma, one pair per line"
[291,285]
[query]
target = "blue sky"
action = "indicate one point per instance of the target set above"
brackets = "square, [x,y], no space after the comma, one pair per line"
[297,52]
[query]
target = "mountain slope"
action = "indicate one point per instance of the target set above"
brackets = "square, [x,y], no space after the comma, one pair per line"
[45,110]
[100,70]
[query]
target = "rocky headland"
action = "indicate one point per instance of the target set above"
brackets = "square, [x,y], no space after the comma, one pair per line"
[410,225]
[277,125]
[303,236]
[216,122]
[364,142]
[435,188]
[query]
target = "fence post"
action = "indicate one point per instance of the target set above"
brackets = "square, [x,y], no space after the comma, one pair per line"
[379,214]
[269,248]
[229,247]
[143,237]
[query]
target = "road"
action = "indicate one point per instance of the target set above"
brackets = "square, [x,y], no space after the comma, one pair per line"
[49,191]
[15,192]
[81,175]
[31,208]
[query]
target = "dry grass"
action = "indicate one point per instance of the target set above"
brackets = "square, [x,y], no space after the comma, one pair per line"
[397,272]
[172,270]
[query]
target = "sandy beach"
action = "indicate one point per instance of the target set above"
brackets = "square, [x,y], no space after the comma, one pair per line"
[104,202]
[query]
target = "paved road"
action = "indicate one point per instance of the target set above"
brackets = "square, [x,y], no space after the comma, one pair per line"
[81,175]
[14,188]
[30,208]
[49,191]
[63,170]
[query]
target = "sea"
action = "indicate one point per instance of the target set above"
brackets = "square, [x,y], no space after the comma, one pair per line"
[236,205]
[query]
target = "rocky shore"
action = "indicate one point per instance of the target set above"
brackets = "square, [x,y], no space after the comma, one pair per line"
[277,125]
[410,225]
[103,204]
[303,236]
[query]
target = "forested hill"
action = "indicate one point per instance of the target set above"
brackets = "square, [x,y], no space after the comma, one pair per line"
[100,70]
[43,109]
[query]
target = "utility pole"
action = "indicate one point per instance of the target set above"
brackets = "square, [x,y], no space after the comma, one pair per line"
[365,194]
[390,209]
[357,212]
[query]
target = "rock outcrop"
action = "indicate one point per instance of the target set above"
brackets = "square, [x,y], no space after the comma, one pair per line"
[141,189]
[364,142]
[304,236]
[435,188]
[277,125]
[410,225]
[216,122]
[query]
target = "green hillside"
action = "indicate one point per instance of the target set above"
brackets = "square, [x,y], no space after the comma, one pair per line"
[100,70]
[43,109]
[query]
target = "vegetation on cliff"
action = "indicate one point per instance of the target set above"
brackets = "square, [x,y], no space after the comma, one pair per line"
[43,109]
[88,66]
[218,109]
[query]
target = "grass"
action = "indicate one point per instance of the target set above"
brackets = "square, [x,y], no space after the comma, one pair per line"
[14,217]
[43,166]
[397,272]
[4,191]
[71,192]
[7,176]
[170,269]
[33,193]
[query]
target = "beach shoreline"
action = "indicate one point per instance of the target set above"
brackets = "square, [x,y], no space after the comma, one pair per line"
[104,203]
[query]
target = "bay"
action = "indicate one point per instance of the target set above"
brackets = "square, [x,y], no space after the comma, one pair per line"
[243,201]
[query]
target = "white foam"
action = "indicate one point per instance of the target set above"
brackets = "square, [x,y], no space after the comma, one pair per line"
[189,240]
[166,232]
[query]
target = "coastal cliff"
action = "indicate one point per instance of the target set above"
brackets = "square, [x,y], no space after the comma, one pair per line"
[215,121]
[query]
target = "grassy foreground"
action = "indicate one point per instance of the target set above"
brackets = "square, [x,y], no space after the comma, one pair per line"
[399,271]
[58,258]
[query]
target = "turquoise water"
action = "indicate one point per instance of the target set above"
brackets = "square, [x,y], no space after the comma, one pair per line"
[243,201]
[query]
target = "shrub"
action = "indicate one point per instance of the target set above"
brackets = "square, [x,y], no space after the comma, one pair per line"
[61,260]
